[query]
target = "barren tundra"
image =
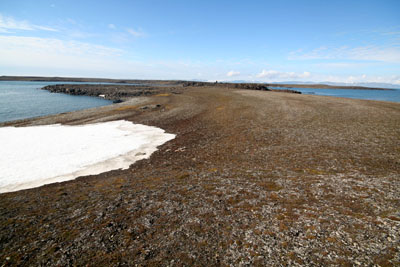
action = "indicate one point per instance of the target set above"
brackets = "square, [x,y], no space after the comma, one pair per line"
[252,178]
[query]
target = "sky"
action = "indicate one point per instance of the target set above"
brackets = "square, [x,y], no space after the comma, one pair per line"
[266,41]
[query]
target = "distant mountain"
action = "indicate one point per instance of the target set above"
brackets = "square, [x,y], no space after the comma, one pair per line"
[379,85]
[370,85]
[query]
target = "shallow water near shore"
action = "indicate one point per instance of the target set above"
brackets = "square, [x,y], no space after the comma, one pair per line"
[22,100]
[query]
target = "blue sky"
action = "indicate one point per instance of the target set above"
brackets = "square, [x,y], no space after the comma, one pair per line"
[270,41]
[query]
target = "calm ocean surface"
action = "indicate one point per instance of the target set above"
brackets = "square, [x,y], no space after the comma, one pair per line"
[381,95]
[21,100]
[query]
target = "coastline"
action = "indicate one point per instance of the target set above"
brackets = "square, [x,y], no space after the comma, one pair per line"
[180,82]
[252,176]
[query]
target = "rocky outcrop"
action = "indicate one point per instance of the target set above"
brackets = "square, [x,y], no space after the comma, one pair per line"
[121,92]
[249,86]
[285,91]
[246,86]
[117,93]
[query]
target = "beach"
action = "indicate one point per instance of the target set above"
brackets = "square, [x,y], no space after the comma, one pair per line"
[252,177]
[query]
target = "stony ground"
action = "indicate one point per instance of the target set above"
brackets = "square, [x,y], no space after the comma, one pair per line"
[253,178]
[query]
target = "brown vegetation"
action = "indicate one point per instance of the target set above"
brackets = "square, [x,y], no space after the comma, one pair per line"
[253,177]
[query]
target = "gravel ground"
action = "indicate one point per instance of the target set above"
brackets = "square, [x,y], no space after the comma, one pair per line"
[252,178]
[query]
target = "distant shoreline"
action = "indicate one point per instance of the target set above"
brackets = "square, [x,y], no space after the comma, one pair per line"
[177,82]
[326,86]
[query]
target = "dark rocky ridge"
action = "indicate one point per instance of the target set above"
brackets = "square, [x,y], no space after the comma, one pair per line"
[247,86]
[115,92]
[119,92]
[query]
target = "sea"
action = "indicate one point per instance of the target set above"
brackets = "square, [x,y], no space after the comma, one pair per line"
[22,100]
[380,95]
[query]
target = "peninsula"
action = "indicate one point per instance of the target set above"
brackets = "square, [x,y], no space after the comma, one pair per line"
[253,177]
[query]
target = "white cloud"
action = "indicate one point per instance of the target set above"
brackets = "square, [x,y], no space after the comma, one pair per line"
[394,79]
[278,75]
[9,23]
[20,52]
[355,79]
[385,54]
[233,73]
[137,33]
[344,65]
[54,57]
[365,53]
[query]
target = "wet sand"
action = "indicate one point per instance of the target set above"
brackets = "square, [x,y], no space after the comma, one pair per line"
[252,177]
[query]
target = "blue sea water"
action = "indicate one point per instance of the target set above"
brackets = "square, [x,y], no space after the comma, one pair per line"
[21,100]
[380,95]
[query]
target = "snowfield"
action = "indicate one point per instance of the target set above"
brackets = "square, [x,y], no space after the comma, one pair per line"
[38,155]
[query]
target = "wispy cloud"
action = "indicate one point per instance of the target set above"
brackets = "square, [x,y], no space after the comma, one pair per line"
[345,65]
[8,24]
[4,30]
[111,26]
[363,78]
[49,52]
[233,73]
[374,53]
[389,54]
[21,55]
[392,33]
[136,32]
[279,75]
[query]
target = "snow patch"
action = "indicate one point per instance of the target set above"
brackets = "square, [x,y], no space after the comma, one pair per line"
[38,155]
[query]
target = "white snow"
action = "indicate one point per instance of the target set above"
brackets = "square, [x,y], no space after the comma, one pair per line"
[38,155]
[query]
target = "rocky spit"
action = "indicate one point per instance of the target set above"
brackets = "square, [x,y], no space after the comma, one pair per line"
[119,93]
[253,178]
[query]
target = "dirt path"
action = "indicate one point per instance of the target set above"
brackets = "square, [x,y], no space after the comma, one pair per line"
[260,178]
